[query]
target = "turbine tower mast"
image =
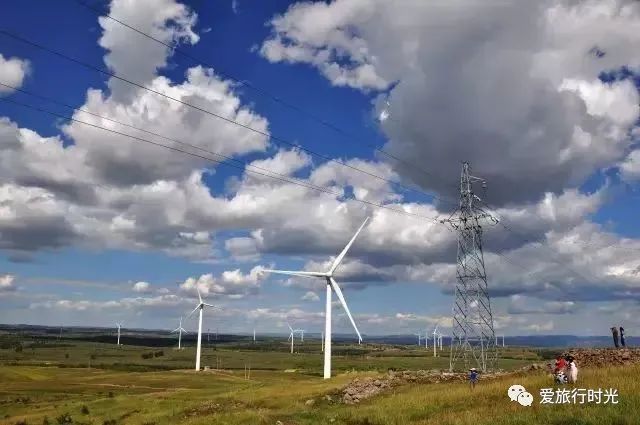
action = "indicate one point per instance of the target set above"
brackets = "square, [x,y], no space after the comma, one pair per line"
[473,341]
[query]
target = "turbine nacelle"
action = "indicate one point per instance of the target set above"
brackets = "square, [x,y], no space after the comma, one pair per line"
[332,286]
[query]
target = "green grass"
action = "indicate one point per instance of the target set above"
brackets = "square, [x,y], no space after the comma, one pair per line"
[31,393]
[50,380]
[263,356]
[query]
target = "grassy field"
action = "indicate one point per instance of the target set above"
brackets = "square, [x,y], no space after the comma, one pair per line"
[51,383]
[29,394]
[270,355]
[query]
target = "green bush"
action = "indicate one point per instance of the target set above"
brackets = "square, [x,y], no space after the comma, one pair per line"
[64,419]
[84,410]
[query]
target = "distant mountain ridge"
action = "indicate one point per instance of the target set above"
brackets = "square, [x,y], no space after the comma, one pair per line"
[400,339]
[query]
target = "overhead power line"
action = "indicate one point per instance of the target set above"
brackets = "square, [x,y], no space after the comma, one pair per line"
[199,148]
[174,48]
[221,117]
[221,162]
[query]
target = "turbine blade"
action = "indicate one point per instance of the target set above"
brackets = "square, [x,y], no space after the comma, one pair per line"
[194,310]
[338,292]
[210,305]
[175,330]
[184,331]
[296,273]
[339,258]
[199,297]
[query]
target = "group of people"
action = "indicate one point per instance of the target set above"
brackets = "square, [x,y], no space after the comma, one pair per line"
[618,342]
[565,370]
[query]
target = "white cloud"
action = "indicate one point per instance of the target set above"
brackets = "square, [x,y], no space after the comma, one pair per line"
[7,283]
[12,73]
[310,296]
[630,167]
[231,283]
[131,54]
[455,66]
[141,287]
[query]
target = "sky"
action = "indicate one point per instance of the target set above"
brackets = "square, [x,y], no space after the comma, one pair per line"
[353,109]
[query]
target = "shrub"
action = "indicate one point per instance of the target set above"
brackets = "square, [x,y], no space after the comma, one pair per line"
[45,421]
[21,422]
[18,349]
[66,355]
[109,422]
[158,353]
[110,395]
[64,419]
[84,410]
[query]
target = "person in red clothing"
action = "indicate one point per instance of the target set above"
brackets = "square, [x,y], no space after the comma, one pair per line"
[561,364]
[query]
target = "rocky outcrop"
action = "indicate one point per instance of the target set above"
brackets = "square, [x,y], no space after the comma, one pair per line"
[598,357]
[363,388]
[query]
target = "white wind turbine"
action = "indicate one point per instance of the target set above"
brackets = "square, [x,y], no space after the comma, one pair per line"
[291,336]
[332,286]
[201,305]
[435,341]
[119,325]
[179,329]
[419,335]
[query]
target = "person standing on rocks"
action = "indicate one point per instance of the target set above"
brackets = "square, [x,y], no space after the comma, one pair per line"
[622,341]
[473,377]
[614,331]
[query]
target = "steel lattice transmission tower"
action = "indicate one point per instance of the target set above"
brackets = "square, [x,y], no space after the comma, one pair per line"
[473,340]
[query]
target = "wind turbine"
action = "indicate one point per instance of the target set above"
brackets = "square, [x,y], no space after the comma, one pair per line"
[290,336]
[179,329]
[332,286]
[201,305]
[435,341]
[419,338]
[254,335]
[322,341]
[119,325]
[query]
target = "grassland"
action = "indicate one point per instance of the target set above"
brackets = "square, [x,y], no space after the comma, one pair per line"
[45,382]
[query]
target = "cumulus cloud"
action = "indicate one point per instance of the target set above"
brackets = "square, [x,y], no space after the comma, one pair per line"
[141,287]
[630,167]
[231,283]
[12,73]
[519,304]
[310,296]
[455,65]
[7,283]
[166,20]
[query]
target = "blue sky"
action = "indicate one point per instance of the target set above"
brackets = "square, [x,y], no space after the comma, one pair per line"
[555,141]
